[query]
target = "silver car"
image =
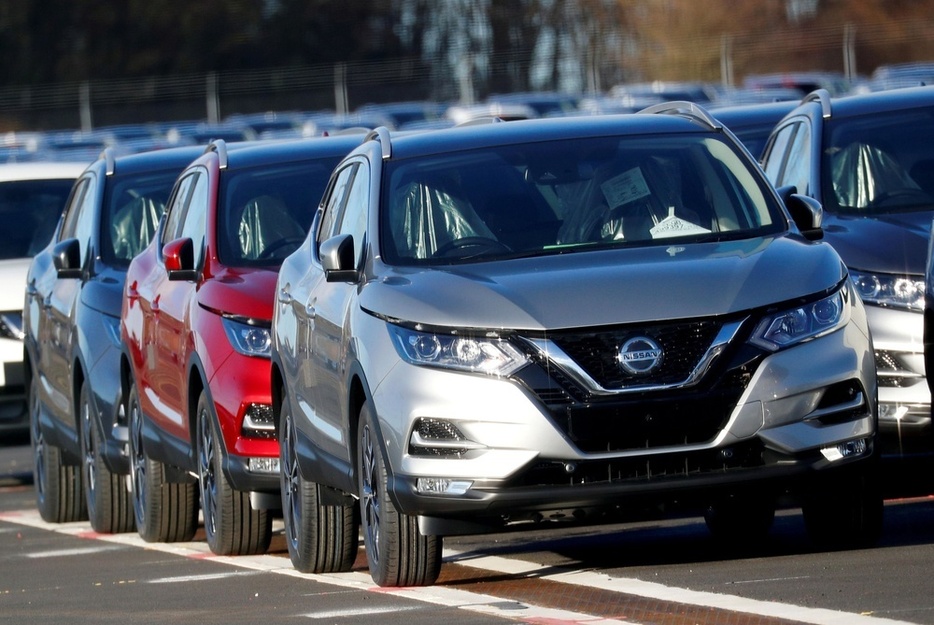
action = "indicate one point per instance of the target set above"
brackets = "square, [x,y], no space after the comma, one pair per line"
[560,320]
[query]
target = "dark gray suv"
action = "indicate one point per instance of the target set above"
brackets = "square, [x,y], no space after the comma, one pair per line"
[558,320]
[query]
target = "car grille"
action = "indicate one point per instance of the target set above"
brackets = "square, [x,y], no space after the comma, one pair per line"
[652,416]
[597,352]
[892,372]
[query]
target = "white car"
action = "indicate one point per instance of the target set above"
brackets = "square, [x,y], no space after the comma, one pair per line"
[32,196]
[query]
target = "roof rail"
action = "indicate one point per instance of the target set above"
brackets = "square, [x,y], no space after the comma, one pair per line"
[684,108]
[110,161]
[823,97]
[219,146]
[381,134]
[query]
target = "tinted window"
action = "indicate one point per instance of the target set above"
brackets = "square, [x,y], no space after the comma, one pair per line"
[266,211]
[548,197]
[34,207]
[134,205]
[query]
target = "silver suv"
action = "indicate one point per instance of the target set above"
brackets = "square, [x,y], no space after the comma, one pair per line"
[559,320]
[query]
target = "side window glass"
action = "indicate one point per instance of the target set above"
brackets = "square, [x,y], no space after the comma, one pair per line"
[73,208]
[176,209]
[334,203]
[353,219]
[798,163]
[79,221]
[775,155]
[193,224]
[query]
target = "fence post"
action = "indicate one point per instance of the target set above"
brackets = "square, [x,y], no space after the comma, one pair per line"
[849,51]
[213,100]
[84,104]
[340,89]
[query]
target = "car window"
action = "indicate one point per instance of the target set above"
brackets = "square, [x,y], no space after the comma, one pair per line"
[879,163]
[193,222]
[334,202]
[544,198]
[266,211]
[353,217]
[79,220]
[35,207]
[177,208]
[134,205]
[774,156]
[797,168]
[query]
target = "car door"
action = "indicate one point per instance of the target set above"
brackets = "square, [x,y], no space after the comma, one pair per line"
[56,332]
[311,362]
[330,349]
[163,302]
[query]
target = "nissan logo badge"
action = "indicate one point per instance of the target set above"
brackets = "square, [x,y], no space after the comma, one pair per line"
[640,355]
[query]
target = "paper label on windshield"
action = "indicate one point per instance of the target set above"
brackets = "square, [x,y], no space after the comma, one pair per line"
[624,188]
[672,226]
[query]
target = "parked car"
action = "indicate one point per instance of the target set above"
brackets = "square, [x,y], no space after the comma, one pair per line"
[197,308]
[559,319]
[869,160]
[32,196]
[72,312]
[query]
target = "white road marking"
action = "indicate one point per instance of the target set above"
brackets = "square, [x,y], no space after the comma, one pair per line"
[184,579]
[66,553]
[353,613]
[485,604]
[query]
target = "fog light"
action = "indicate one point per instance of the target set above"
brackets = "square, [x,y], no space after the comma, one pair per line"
[264,465]
[258,421]
[892,412]
[441,486]
[438,437]
[849,449]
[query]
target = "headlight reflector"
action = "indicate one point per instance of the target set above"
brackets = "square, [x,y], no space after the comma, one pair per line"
[475,354]
[884,289]
[247,338]
[789,327]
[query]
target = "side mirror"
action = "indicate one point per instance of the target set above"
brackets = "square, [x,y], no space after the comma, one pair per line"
[66,256]
[806,212]
[337,258]
[179,259]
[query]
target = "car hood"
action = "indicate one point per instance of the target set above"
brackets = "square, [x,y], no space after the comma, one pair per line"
[896,243]
[608,287]
[243,292]
[13,283]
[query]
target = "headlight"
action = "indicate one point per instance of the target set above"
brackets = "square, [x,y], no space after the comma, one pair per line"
[248,337]
[804,323]
[472,353]
[886,289]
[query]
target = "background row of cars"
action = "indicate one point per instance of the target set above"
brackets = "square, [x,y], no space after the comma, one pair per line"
[191,349]
[64,145]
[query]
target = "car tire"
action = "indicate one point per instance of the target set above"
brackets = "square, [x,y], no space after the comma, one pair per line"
[231,525]
[396,552]
[845,511]
[59,492]
[741,520]
[110,508]
[164,511]
[320,538]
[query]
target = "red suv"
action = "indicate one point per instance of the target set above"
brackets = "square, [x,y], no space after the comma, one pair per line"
[195,323]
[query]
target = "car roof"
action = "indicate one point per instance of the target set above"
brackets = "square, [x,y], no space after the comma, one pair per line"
[536,130]
[40,170]
[153,160]
[874,102]
[266,152]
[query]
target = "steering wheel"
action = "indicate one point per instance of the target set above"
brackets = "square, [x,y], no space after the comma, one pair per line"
[907,194]
[270,252]
[481,245]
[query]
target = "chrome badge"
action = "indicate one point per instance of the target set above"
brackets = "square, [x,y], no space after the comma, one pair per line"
[640,355]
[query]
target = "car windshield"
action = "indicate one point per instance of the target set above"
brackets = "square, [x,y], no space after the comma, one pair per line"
[880,163]
[266,211]
[30,209]
[135,204]
[554,197]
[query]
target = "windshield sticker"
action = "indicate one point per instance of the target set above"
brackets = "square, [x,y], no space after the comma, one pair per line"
[672,226]
[627,187]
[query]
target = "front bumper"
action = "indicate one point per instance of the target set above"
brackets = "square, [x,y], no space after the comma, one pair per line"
[785,426]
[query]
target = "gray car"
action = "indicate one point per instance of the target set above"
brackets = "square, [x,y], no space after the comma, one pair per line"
[869,161]
[511,324]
